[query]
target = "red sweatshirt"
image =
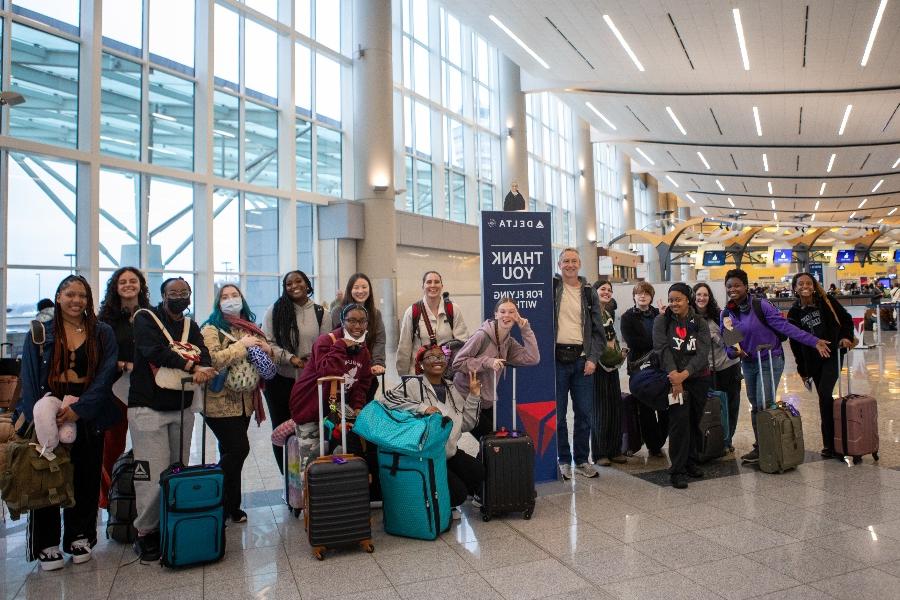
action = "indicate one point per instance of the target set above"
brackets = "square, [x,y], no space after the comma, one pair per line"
[326,359]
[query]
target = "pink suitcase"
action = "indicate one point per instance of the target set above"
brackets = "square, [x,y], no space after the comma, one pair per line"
[855,423]
[293,480]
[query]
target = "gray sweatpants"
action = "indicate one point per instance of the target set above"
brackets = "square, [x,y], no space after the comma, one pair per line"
[154,436]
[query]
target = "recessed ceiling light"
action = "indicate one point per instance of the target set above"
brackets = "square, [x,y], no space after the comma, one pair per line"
[675,183]
[721,187]
[677,122]
[853,214]
[756,119]
[831,163]
[822,189]
[622,41]
[741,41]
[691,198]
[873,33]
[817,205]
[772,202]
[641,152]
[765,163]
[731,202]
[844,120]
[770,187]
[896,162]
[703,160]
[863,203]
[601,115]
[893,210]
[704,210]
[877,185]
[516,39]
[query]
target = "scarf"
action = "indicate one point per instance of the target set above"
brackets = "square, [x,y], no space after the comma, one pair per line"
[259,410]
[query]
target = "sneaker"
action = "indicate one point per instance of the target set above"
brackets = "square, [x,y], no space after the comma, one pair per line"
[455,514]
[80,551]
[566,471]
[679,481]
[826,453]
[752,456]
[694,472]
[603,462]
[238,516]
[476,501]
[147,547]
[586,470]
[51,559]
[620,459]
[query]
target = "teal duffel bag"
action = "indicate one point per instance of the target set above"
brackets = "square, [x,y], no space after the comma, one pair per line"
[412,468]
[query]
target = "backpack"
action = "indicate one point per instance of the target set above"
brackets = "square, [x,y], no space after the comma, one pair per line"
[30,481]
[122,509]
[320,313]
[756,305]
[418,309]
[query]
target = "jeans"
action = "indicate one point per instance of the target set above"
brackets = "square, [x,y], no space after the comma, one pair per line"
[570,378]
[751,371]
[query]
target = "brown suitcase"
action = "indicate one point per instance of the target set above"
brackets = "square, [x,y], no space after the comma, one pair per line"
[855,423]
[10,388]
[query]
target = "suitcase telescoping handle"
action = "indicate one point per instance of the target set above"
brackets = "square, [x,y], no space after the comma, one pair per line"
[185,381]
[514,397]
[335,381]
[840,369]
[762,381]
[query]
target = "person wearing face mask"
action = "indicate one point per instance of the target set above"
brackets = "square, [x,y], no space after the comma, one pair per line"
[814,313]
[292,325]
[434,314]
[637,331]
[126,292]
[682,341]
[359,291]
[487,353]
[154,413]
[228,333]
[341,352]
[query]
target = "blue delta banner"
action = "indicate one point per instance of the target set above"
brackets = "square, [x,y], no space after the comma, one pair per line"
[517,261]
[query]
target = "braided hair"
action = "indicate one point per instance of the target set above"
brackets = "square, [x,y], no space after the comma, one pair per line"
[284,320]
[60,359]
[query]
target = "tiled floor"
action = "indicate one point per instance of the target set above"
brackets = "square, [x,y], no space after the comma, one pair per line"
[825,530]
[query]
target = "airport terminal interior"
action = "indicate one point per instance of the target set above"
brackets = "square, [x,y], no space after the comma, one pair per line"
[665,141]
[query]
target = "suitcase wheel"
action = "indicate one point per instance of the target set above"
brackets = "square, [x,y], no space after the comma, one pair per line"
[485,517]
[319,552]
[526,515]
[367,545]
[875,455]
[857,460]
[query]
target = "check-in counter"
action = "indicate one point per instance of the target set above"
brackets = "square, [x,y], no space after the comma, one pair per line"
[863,300]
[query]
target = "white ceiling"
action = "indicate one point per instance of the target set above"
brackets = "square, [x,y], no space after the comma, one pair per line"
[714,98]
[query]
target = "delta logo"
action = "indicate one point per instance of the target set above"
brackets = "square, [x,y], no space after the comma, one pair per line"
[517,224]
[539,421]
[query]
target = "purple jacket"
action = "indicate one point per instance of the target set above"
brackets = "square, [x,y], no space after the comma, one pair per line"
[756,333]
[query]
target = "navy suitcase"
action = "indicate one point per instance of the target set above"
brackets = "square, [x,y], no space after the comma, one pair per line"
[191,509]
[631,426]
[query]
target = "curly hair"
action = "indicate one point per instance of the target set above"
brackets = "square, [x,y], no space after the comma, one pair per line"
[111,306]
[712,310]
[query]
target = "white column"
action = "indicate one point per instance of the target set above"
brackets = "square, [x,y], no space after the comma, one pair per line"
[373,153]
[513,130]
[204,265]
[623,167]
[585,206]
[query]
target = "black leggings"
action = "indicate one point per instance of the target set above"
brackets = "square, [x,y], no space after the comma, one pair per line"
[234,447]
[825,380]
[278,401]
[465,475]
[684,425]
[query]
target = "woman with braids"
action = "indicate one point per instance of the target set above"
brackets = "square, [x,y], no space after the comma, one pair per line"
[126,292]
[77,361]
[291,325]
[815,313]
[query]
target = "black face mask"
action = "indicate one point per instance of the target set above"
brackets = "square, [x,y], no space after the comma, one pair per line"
[176,306]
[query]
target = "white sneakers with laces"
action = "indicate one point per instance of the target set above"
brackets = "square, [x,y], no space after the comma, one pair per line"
[51,559]
[80,551]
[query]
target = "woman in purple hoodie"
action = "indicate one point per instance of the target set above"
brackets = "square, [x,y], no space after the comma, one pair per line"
[489,350]
[760,324]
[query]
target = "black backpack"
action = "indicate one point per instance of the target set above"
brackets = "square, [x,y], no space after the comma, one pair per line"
[756,305]
[122,509]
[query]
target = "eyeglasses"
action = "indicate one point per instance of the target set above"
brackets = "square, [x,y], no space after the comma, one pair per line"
[434,359]
[177,296]
[356,321]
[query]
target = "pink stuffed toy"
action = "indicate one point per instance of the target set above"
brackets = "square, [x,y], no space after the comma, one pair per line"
[48,434]
[281,433]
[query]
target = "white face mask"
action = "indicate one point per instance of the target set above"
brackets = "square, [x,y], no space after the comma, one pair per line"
[361,339]
[231,306]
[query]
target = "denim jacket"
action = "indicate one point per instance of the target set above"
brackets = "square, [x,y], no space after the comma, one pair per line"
[95,406]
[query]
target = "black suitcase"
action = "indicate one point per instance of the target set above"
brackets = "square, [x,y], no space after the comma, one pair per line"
[122,509]
[712,434]
[508,458]
[336,491]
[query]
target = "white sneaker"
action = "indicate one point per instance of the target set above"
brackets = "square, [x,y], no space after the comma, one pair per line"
[565,470]
[476,501]
[455,514]
[586,470]
[80,551]
[51,559]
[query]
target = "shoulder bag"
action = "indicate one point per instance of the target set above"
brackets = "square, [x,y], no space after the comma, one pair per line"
[167,377]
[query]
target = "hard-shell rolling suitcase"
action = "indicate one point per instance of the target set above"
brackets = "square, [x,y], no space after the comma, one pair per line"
[293,480]
[508,458]
[191,508]
[336,490]
[712,432]
[779,432]
[631,426]
[855,423]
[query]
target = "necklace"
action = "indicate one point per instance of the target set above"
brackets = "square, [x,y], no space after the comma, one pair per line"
[77,329]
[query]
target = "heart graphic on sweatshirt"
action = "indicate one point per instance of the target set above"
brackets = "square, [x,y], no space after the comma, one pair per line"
[681,332]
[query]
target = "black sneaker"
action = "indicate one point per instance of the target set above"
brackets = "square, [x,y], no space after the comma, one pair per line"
[147,547]
[80,551]
[694,472]
[679,481]
[51,559]
[238,516]
[826,453]
[752,456]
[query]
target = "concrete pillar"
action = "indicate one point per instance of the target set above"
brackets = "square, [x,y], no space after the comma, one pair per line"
[585,204]
[627,191]
[373,153]
[513,129]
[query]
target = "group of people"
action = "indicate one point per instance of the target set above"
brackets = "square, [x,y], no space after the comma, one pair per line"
[685,338]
